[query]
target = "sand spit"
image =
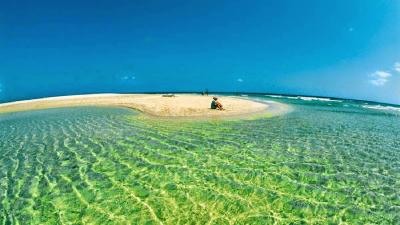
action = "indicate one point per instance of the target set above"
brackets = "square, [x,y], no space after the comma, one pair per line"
[180,106]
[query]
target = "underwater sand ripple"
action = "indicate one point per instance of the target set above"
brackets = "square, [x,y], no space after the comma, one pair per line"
[99,165]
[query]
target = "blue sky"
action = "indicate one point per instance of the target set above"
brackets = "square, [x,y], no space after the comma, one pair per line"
[343,48]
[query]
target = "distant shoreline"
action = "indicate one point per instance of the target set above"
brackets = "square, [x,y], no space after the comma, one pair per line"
[155,105]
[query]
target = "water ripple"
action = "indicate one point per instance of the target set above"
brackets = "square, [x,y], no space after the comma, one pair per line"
[92,165]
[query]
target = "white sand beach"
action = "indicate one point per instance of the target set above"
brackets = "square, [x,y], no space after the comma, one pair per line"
[182,105]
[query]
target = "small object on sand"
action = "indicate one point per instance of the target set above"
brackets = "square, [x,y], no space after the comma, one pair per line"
[168,95]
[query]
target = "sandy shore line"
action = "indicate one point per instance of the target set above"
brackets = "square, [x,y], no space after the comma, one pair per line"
[180,106]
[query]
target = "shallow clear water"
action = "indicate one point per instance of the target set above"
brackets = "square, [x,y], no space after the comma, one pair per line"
[325,162]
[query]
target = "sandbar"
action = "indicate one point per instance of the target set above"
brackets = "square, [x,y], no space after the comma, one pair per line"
[179,106]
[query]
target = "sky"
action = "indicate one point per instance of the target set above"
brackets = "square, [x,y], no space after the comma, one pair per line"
[341,48]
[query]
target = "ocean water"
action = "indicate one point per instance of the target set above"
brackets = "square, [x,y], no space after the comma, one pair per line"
[325,162]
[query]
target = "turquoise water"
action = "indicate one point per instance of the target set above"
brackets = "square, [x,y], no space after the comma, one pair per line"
[326,162]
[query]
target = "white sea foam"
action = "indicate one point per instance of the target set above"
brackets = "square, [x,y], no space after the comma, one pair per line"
[275,96]
[304,98]
[318,99]
[380,107]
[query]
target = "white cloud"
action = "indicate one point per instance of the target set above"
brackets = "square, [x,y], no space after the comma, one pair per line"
[397,66]
[378,82]
[239,80]
[379,78]
[128,78]
[381,74]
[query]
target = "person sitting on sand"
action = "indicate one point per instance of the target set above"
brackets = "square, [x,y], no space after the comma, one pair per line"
[215,104]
